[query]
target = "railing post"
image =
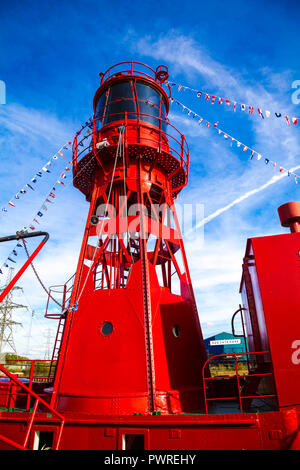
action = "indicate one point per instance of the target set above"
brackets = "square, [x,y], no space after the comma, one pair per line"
[75,152]
[204,390]
[64,297]
[126,142]
[12,395]
[182,150]
[138,127]
[94,133]
[31,373]
[238,383]
[48,300]
[159,145]
[31,422]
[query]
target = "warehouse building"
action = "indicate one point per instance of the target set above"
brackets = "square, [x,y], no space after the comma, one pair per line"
[224,343]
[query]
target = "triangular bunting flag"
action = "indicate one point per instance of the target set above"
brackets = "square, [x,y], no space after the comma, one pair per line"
[260,113]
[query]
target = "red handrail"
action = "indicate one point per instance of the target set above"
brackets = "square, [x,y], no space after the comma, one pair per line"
[128,71]
[32,377]
[181,153]
[38,400]
[240,397]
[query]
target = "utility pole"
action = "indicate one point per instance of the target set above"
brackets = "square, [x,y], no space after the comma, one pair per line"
[7,306]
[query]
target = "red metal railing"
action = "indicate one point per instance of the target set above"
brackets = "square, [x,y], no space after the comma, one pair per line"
[129,68]
[64,292]
[169,139]
[239,396]
[37,402]
[29,370]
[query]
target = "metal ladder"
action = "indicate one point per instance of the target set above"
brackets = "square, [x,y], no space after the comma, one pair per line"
[57,345]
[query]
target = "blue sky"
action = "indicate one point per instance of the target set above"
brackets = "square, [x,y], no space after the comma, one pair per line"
[51,56]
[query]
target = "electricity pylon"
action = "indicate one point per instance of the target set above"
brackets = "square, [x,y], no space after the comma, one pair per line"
[6,316]
[48,344]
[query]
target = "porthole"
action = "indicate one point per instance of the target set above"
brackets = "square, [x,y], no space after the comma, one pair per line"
[176,331]
[107,328]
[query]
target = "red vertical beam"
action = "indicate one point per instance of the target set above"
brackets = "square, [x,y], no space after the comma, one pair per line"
[146,296]
[31,373]
[238,383]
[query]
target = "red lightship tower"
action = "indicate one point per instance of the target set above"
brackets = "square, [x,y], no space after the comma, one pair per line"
[129,369]
[132,341]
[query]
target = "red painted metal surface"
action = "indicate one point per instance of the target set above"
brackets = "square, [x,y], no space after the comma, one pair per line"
[262,431]
[289,215]
[269,289]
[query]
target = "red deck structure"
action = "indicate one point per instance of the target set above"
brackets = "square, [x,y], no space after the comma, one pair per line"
[129,368]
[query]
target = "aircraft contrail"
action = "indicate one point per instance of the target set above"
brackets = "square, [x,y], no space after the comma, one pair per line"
[273,180]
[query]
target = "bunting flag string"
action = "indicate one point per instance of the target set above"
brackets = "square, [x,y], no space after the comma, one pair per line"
[50,199]
[243,107]
[32,226]
[245,148]
[39,174]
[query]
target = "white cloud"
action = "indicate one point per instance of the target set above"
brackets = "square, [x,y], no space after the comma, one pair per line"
[240,198]
[29,140]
